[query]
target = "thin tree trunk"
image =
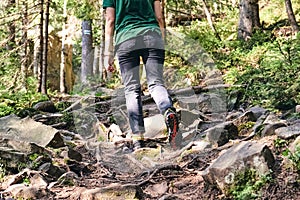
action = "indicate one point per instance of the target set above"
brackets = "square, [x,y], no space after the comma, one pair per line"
[256,18]
[62,82]
[24,44]
[210,21]
[96,61]
[41,47]
[11,27]
[36,59]
[291,15]
[45,54]
[86,62]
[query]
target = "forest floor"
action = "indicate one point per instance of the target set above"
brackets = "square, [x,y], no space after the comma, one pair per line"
[182,181]
[167,175]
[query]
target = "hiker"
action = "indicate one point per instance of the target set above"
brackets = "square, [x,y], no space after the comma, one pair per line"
[136,26]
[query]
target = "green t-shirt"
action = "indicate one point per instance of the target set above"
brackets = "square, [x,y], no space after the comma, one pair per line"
[133,17]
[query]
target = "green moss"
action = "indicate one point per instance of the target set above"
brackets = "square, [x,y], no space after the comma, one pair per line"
[245,127]
[247,185]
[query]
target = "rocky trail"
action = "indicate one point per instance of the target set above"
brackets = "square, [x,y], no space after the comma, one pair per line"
[78,153]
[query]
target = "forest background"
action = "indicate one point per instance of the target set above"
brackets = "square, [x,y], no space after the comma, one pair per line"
[53,47]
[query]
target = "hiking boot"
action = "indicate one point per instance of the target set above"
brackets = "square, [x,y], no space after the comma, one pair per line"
[135,145]
[172,123]
[138,144]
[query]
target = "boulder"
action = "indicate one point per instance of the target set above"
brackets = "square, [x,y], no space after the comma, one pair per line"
[45,106]
[236,160]
[289,131]
[114,191]
[51,170]
[221,133]
[257,111]
[270,128]
[244,118]
[13,153]
[188,117]
[22,191]
[34,177]
[28,130]
[155,126]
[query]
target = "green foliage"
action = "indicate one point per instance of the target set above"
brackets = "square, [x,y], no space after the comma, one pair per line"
[294,157]
[33,160]
[272,80]
[247,185]
[114,81]
[244,127]
[16,101]
[26,181]
[200,32]
[2,171]
[62,105]
[265,68]
[279,143]
[86,9]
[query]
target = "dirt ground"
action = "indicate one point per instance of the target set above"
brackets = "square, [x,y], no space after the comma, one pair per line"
[182,181]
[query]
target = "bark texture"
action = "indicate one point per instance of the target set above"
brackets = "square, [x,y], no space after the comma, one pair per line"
[249,18]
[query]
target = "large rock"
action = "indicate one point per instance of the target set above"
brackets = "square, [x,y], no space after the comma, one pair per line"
[13,153]
[155,126]
[20,138]
[34,178]
[236,160]
[244,118]
[22,191]
[206,103]
[34,189]
[257,111]
[28,130]
[45,106]
[188,117]
[289,131]
[221,133]
[115,191]
[269,129]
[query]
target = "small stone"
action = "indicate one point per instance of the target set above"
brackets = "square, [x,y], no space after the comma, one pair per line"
[297,109]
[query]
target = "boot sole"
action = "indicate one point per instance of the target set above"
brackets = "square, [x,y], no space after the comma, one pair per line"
[174,137]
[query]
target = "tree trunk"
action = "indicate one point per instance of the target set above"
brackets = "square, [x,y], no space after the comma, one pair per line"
[41,47]
[209,19]
[62,82]
[291,15]
[249,19]
[24,44]
[96,61]
[11,27]
[45,52]
[87,48]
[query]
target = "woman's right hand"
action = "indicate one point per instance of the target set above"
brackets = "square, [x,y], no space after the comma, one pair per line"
[109,63]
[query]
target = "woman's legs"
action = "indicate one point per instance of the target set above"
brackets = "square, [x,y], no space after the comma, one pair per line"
[153,58]
[129,61]
[151,47]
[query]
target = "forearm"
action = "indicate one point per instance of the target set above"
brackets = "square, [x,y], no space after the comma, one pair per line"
[159,15]
[109,30]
